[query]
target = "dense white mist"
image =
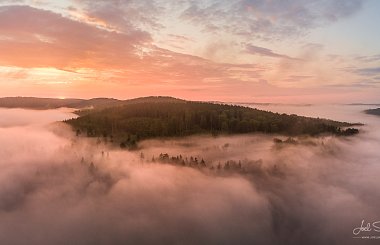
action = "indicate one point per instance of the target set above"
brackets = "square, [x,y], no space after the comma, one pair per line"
[56,188]
[21,117]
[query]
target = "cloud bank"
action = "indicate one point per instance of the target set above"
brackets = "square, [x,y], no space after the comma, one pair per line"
[202,50]
[60,189]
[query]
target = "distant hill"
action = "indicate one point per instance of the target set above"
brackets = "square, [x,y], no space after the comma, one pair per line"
[94,103]
[54,103]
[51,103]
[373,111]
[36,103]
[150,117]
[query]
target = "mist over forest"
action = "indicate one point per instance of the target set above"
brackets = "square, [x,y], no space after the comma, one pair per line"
[189,122]
[58,188]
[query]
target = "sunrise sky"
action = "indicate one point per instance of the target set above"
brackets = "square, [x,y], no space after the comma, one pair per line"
[299,51]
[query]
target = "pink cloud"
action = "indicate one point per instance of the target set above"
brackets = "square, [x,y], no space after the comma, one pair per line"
[40,38]
[125,63]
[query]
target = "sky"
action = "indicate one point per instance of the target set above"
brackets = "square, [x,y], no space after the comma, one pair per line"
[264,51]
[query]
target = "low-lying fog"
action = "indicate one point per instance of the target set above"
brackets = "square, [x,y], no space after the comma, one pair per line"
[56,188]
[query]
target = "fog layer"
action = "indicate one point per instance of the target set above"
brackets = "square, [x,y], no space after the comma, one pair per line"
[56,188]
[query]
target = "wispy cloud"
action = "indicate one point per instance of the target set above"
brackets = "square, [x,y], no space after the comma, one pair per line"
[368,71]
[267,19]
[256,50]
[123,15]
[369,58]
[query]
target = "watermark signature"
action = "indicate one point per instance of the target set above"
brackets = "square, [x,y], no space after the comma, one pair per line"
[367,230]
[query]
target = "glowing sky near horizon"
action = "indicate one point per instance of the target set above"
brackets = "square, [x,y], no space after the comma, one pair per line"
[301,51]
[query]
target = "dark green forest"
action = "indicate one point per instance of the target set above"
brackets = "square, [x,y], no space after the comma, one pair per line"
[373,111]
[153,117]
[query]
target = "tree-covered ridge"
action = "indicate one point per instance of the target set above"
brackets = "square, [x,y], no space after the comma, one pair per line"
[53,103]
[373,111]
[163,117]
[82,104]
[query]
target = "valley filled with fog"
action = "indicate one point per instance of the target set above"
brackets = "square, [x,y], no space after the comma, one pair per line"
[58,188]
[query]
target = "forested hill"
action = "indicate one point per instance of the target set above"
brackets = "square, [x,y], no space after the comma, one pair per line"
[166,117]
[373,111]
[53,103]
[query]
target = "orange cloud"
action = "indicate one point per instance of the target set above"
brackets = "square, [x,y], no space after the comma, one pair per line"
[45,39]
